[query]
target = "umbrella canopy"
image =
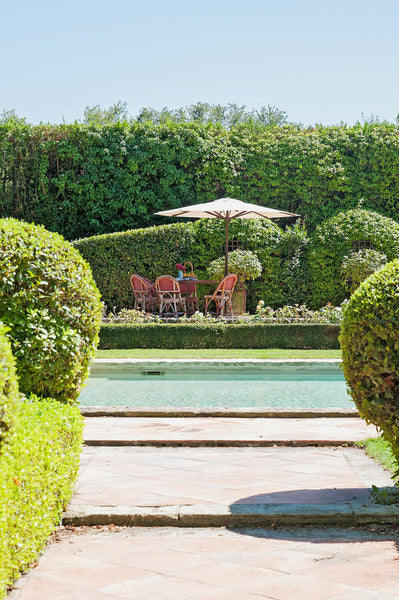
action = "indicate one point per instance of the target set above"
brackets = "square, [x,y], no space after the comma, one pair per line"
[226,209]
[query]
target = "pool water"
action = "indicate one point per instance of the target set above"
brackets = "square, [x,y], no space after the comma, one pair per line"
[217,385]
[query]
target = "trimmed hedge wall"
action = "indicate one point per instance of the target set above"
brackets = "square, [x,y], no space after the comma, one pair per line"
[38,468]
[84,180]
[218,335]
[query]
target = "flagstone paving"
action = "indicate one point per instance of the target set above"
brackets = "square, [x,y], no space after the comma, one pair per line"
[182,563]
[147,476]
[219,564]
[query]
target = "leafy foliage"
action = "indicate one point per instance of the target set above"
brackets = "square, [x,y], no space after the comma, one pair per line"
[51,304]
[244,263]
[216,114]
[95,115]
[110,175]
[370,349]
[359,265]
[335,239]
[38,467]
[9,392]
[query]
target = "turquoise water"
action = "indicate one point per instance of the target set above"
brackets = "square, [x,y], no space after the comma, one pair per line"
[165,387]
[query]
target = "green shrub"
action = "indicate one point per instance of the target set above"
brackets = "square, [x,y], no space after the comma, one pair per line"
[9,393]
[370,349]
[244,263]
[218,335]
[359,265]
[50,302]
[37,471]
[336,238]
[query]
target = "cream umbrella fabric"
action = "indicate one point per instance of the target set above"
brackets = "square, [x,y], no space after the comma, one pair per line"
[226,209]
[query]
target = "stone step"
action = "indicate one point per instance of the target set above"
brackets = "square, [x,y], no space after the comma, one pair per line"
[206,487]
[225,431]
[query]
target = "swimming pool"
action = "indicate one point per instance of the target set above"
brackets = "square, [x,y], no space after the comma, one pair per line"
[217,384]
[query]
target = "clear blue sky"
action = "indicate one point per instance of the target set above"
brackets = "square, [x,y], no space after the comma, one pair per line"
[322,61]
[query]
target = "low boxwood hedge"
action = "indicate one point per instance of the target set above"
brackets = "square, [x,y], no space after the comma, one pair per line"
[218,335]
[38,467]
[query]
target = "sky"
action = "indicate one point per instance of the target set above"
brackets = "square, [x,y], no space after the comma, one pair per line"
[321,61]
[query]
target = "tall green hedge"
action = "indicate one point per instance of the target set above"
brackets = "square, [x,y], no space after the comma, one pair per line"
[38,467]
[334,239]
[83,180]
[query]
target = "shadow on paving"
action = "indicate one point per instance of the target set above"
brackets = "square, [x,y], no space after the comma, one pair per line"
[306,496]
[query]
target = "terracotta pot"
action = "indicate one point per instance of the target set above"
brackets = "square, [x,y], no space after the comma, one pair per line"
[239,301]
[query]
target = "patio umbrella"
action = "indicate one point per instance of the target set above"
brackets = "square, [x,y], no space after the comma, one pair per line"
[226,209]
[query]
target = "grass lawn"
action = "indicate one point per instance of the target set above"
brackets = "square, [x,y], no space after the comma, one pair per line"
[277,353]
[381,451]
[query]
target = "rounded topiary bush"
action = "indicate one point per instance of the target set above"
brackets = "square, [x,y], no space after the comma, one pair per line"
[51,303]
[336,238]
[370,348]
[9,392]
[244,263]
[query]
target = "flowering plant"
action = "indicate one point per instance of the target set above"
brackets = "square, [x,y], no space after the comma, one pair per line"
[244,263]
[299,314]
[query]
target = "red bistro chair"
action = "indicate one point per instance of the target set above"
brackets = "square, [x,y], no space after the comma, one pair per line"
[169,296]
[222,295]
[145,296]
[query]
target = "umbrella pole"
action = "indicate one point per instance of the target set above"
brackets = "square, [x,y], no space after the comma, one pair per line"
[226,248]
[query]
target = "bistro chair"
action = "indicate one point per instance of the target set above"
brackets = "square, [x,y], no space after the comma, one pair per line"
[145,296]
[222,295]
[169,296]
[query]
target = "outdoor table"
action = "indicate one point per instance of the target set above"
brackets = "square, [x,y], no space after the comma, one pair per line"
[188,288]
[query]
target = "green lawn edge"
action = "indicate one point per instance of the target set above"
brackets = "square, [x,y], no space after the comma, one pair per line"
[220,353]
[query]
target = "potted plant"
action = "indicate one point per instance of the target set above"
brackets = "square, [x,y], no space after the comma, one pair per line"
[246,265]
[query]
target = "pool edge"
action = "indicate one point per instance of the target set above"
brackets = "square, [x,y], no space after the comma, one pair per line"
[122,411]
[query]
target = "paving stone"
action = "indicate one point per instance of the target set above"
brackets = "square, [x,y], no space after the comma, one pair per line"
[192,564]
[230,476]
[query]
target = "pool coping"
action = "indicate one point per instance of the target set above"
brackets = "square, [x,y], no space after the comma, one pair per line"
[243,413]
[211,364]
[216,360]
